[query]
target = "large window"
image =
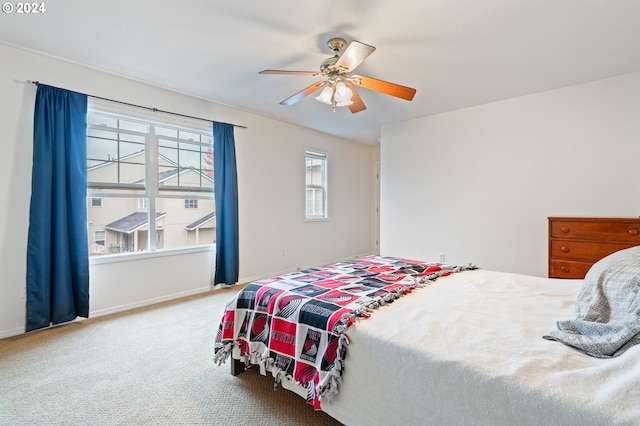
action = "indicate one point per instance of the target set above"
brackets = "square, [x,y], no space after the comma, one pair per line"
[316,186]
[144,166]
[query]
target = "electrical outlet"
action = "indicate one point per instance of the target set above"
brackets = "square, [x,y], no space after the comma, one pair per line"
[283,252]
[441,257]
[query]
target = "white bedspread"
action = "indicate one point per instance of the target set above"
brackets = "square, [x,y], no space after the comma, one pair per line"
[481,360]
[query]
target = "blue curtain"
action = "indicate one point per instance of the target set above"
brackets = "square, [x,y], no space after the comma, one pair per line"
[57,251]
[225,178]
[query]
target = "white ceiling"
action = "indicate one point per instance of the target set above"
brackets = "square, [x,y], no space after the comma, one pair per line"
[456,53]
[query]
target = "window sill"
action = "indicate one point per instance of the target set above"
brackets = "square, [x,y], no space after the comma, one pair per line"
[129,257]
[320,219]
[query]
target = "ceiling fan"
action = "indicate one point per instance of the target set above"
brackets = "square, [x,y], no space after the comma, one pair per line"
[338,89]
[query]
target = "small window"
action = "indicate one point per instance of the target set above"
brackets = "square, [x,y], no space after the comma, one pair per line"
[96,202]
[316,185]
[99,237]
[190,204]
[98,246]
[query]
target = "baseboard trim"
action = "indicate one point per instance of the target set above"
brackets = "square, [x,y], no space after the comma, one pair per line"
[115,309]
[11,332]
[147,302]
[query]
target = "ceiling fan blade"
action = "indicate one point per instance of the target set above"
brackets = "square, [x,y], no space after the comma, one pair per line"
[301,94]
[357,104]
[353,56]
[283,72]
[385,87]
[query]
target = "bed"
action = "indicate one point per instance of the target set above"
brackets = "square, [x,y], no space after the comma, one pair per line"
[468,348]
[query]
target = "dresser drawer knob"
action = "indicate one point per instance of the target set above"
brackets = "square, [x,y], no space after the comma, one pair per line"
[633,232]
[565,249]
[565,229]
[564,269]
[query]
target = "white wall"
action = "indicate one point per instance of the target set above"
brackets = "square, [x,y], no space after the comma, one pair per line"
[478,184]
[124,282]
[271,190]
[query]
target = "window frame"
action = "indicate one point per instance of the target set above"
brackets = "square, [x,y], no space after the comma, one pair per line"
[143,203]
[322,187]
[151,188]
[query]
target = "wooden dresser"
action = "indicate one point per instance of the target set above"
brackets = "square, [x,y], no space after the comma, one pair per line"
[576,243]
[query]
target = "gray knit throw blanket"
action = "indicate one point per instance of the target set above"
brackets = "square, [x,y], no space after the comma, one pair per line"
[607,309]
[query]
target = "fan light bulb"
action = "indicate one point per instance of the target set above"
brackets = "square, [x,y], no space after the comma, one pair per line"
[343,94]
[326,95]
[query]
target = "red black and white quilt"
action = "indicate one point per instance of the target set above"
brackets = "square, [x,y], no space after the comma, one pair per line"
[295,325]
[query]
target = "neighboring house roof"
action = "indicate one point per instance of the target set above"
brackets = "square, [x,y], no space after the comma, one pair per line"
[162,176]
[132,222]
[168,174]
[129,157]
[198,223]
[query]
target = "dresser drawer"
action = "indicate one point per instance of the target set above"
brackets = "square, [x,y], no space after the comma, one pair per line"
[620,231]
[581,250]
[576,243]
[568,269]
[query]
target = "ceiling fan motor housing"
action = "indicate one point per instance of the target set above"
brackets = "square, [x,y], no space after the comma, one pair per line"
[328,65]
[336,45]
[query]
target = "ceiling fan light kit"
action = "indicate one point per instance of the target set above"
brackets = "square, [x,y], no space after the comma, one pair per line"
[326,96]
[336,94]
[342,94]
[338,89]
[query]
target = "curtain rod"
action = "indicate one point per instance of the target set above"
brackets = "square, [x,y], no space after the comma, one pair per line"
[35,82]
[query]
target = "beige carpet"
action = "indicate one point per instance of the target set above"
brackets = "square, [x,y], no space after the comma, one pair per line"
[150,366]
